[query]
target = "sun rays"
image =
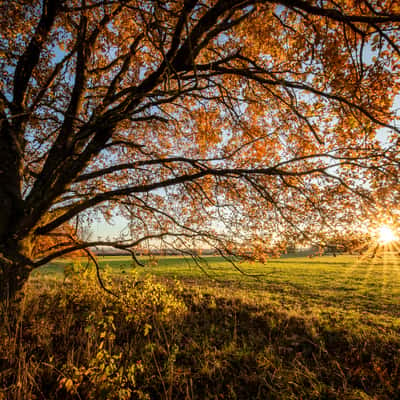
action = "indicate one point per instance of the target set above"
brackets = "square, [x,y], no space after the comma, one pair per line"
[377,257]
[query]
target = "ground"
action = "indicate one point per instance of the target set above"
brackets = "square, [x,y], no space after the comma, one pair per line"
[297,328]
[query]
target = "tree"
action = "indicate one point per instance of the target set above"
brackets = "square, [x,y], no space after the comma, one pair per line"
[236,124]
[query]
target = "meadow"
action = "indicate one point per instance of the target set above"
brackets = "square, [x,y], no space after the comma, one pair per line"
[293,328]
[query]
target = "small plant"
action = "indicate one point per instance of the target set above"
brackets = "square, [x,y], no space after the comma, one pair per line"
[107,376]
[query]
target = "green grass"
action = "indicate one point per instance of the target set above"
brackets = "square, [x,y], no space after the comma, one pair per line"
[344,282]
[304,328]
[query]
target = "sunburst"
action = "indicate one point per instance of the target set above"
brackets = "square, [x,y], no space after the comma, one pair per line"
[386,235]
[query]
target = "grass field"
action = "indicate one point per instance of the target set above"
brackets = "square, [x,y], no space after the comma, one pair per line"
[294,328]
[345,283]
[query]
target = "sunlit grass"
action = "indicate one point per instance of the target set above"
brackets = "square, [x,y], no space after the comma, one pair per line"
[345,280]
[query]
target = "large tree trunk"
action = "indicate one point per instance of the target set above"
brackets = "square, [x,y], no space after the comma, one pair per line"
[15,267]
[12,280]
[14,246]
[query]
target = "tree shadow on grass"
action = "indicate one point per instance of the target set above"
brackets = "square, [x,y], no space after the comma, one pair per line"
[213,346]
[233,349]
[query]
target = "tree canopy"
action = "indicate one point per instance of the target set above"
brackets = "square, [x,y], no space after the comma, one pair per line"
[238,124]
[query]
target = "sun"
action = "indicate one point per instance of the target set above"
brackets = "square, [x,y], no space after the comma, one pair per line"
[386,235]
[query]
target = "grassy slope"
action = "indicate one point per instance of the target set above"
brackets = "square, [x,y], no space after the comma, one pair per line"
[319,328]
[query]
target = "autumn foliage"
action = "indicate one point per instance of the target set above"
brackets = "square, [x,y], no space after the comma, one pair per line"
[238,125]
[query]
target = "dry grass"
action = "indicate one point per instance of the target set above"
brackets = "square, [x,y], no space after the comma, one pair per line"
[313,329]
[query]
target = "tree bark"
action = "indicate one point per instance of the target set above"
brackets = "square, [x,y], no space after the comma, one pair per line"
[12,280]
[15,265]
